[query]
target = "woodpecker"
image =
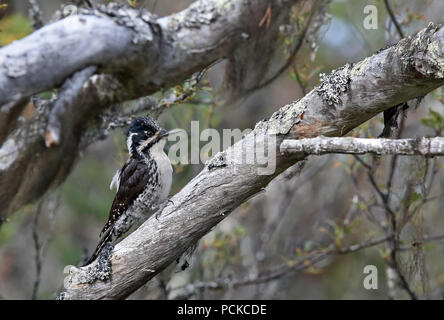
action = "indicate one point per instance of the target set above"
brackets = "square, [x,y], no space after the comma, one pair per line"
[143,183]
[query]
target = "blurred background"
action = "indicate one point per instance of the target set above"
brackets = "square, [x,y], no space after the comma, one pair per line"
[331,202]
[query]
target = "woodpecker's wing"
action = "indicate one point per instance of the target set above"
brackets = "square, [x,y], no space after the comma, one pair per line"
[134,176]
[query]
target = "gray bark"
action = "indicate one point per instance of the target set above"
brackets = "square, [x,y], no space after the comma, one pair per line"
[346,98]
[134,55]
[323,145]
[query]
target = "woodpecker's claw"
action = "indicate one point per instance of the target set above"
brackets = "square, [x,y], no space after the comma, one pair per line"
[161,207]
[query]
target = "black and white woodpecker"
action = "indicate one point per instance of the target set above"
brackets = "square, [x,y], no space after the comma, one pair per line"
[143,183]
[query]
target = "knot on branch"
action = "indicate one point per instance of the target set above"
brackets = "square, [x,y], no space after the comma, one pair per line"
[219,160]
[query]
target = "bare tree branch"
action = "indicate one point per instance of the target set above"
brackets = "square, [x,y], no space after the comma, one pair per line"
[393,18]
[347,97]
[323,145]
[135,55]
[9,113]
[63,109]
[38,251]
[47,205]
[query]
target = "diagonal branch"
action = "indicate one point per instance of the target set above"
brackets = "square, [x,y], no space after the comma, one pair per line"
[135,55]
[346,98]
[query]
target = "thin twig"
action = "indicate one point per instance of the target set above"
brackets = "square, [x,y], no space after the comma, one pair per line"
[154,6]
[393,18]
[37,247]
[299,80]
[50,204]
[392,231]
[276,272]
[113,120]
[290,59]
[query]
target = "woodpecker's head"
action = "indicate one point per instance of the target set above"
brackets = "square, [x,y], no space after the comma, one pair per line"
[143,134]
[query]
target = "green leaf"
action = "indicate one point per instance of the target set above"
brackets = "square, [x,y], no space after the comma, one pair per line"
[415,197]
[428,122]
[13,27]
[436,117]
[435,121]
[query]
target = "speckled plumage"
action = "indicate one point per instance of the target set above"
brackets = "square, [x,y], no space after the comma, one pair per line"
[143,182]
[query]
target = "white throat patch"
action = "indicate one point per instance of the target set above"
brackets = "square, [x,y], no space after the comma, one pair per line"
[129,142]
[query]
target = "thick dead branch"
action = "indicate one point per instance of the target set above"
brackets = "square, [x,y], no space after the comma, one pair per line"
[134,54]
[348,97]
[63,109]
[8,116]
[323,145]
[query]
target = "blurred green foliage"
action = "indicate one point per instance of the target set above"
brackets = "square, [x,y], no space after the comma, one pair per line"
[222,251]
[86,198]
[434,121]
[8,230]
[13,27]
[89,195]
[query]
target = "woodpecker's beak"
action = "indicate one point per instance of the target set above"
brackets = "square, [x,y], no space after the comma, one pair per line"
[164,133]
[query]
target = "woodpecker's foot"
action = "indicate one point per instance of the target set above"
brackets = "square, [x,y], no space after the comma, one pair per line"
[102,270]
[161,207]
[184,260]
[183,264]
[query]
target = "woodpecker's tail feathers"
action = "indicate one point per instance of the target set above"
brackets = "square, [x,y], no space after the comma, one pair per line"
[104,239]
